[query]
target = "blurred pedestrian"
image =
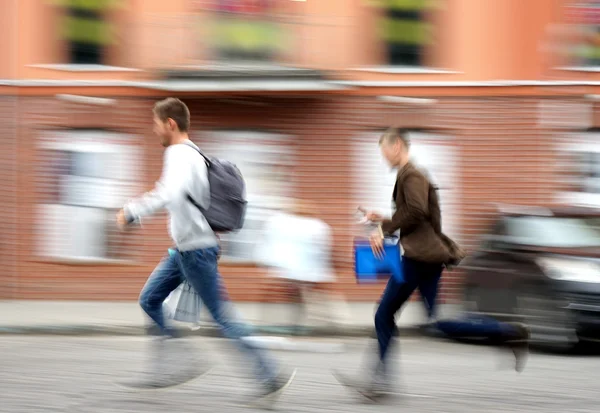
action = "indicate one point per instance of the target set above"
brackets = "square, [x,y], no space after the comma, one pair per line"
[185,175]
[297,250]
[426,249]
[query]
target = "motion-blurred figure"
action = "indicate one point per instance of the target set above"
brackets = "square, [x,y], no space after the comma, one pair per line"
[426,252]
[514,336]
[185,175]
[297,250]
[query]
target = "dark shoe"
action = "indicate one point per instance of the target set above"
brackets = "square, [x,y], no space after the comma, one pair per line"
[370,392]
[520,345]
[271,391]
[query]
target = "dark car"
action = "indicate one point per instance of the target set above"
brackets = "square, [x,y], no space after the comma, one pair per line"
[540,266]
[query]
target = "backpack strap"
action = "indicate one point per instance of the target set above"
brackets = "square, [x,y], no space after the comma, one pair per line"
[194,147]
[191,144]
[193,202]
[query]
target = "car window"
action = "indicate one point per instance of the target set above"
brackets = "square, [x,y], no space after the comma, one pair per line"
[554,232]
[495,232]
[500,228]
[594,223]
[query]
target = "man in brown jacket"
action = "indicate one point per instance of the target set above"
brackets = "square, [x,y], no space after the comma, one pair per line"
[426,249]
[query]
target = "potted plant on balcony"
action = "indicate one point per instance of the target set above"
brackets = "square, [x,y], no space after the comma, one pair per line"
[86,29]
[245,30]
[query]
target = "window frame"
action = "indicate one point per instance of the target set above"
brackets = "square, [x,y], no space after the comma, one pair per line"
[577,29]
[117,20]
[449,195]
[87,140]
[221,139]
[582,142]
[435,55]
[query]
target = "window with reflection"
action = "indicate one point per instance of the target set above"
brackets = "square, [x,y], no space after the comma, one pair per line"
[584,20]
[83,178]
[407,29]
[87,29]
[433,153]
[265,159]
[578,170]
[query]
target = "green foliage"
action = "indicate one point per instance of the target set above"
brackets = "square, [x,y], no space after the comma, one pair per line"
[246,35]
[87,29]
[88,5]
[406,31]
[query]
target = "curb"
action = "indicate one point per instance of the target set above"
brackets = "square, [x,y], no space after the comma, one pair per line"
[204,331]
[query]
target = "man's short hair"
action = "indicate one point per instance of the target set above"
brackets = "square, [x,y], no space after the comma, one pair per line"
[173,108]
[393,135]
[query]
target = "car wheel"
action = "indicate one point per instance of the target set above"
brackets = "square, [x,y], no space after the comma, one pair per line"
[551,324]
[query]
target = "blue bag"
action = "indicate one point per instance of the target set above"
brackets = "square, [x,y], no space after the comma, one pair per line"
[369,268]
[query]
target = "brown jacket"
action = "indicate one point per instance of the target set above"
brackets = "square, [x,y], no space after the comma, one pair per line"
[419,220]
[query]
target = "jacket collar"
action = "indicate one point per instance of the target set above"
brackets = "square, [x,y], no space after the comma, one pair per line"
[405,169]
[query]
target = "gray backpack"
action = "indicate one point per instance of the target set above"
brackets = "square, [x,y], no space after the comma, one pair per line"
[227,208]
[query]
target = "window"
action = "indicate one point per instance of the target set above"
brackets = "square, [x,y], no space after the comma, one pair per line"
[265,160]
[434,153]
[492,240]
[579,170]
[563,232]
[244,30]
[584,18]
[85,177]
[86,29]
[406,28]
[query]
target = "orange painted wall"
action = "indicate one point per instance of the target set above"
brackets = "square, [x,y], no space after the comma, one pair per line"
[477,39]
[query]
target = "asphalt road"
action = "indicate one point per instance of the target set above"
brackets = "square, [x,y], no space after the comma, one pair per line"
[73,374]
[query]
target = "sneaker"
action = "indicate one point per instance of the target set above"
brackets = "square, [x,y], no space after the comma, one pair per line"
[520,345]
[174,362]
[148,381]
[271,391]
[370,392]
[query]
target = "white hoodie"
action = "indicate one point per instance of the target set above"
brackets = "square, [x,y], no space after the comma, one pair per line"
[184,172]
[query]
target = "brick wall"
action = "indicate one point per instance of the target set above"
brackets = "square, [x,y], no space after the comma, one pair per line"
[505,156]
[9,245]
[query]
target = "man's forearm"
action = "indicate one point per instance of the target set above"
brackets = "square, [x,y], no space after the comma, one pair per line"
[386,227]
[147,204]
[402,222]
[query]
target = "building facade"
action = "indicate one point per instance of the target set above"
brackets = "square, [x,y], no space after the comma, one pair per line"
[501,95]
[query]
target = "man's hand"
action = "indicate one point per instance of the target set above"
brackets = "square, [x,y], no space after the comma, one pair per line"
[121,221]
[376,241]
[371,215]
[374,217]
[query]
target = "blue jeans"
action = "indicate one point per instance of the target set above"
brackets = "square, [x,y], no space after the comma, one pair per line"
[478,326]
[421,275]
[199,268]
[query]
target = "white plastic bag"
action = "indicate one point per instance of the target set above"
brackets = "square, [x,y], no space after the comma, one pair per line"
[183,304]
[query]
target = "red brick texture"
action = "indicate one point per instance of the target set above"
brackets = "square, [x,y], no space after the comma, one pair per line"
[505,155]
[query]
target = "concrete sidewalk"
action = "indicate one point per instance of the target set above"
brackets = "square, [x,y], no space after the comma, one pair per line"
[57,374]
[126,318]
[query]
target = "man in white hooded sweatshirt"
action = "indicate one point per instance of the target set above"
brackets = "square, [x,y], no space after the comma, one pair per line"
[194,258]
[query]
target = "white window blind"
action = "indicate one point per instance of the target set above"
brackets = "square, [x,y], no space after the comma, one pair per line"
[84,178]
[375,180]
[265,161]
[578,170]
